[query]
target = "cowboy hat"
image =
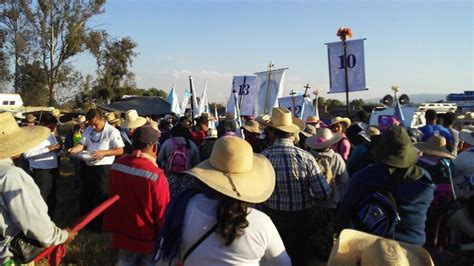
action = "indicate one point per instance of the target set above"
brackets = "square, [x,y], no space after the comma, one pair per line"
[18,115]
[80,119]
[132,120]
[263,120]
[252,126]
[235,171]
[56,113]
[323,139]
[436,146]
[467,136]
[313,119]
[342,120]
[29,118]
[111,119]
[309,131]
[283,120]
[211,134]
[358,248]
[15,140]
[369,132]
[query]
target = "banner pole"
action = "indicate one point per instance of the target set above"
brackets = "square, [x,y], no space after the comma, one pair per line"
[267,93]
[292,93]
[241,92]
[346,75]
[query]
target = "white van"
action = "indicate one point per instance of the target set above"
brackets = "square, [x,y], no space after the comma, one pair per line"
[10,101]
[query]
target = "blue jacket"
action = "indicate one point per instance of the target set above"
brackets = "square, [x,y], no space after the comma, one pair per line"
[414,199]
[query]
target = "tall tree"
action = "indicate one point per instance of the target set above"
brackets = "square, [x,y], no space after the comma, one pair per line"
[60,29]
[33,84]
[4,70]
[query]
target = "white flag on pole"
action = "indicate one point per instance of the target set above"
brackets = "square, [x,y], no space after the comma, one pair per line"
[303,105]
[173,101]
[204,103]
[269,92]
[355,66]
[185,102]
[246,88]
[195,106]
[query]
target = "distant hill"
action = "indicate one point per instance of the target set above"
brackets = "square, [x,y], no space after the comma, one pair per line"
[416,98]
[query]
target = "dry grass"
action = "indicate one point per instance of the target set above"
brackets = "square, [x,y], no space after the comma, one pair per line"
[88,248]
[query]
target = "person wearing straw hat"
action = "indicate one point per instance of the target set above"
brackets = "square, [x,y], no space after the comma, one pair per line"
[103,142]
[362,155]
[22,207]
[313,121]
[130,123]
[137,217]
[396,171]
[217,224]
[251,132]
[299,183]
[354,248]
[44,166]
[30,120]
[334,168]
[112,119]
[307,132]
[339,125]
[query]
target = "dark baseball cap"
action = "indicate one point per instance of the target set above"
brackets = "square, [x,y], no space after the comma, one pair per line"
[146,135]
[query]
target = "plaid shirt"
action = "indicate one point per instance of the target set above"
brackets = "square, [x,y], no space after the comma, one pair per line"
[298,177]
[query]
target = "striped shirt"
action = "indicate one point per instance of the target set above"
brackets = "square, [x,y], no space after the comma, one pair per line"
[298,178]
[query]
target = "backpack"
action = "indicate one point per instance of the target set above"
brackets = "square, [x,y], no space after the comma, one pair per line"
[325,166]
[178,160]
[377,213]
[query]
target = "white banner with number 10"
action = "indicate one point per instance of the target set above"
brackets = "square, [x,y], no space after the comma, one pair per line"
[355,66]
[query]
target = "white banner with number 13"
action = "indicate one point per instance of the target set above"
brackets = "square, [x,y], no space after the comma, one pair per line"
[355,66]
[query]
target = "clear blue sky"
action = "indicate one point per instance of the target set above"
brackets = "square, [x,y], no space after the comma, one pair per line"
[423,46]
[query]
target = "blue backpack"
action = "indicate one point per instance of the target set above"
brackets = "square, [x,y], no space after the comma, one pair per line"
[376,214]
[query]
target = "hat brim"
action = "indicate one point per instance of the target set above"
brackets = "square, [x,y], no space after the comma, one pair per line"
[255,186]
[297,126]
[351,244]
[310,143]
[440,152]
[467,136]
[251,129]
[140,121]
[344,120]
[21,140]
[406,156]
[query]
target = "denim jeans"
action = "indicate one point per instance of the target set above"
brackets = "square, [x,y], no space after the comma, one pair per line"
[127,258]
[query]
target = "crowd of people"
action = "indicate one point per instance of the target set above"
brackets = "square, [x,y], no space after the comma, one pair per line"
[277,190]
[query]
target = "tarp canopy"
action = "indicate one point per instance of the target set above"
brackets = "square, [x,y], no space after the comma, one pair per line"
[145,105]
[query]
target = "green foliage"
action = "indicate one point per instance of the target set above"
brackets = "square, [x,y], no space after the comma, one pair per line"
[331,103]
[213,106]
[357,104]
[33,84]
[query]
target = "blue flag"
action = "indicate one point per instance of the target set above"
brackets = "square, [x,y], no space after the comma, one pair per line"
[174,102]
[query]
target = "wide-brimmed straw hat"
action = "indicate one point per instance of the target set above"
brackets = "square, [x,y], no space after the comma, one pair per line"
[132,120]
[340,120]
[467,136]
[358,248]
[235,171]
[369,132]
[252,126]
[29,118]
[15,140]
[263,120]
[111,118]
[309,130]
[323,139]
[313,119]
[283,120]
[436,146]
[80,119]
[56,113]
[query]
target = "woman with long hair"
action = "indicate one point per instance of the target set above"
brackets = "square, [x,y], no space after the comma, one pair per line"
[216,224]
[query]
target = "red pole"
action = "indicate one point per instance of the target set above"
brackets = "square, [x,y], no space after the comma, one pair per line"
[83,221]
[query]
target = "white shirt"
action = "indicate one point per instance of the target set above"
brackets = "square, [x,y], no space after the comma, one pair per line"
[40,157]
[107,139]
[259,243]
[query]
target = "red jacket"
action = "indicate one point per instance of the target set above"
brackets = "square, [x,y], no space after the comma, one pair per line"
[135,219]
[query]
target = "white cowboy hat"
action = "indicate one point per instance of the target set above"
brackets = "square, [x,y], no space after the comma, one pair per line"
[263,120]
[359,248]
[252,126]
[323,139]
[80,119]
[467,136]
[338,119]
[19,115]
[283,120]
[15,140]
[436,146]
[369,132]
[211,134]
[132,120]
[235,171]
